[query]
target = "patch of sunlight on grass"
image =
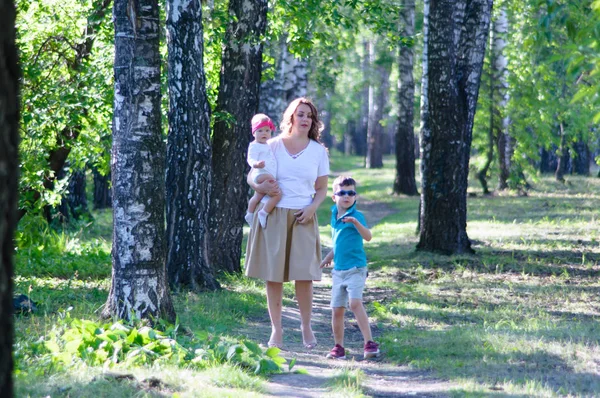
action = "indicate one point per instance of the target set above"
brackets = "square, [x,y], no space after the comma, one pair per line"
[233,377]
[492,356]
[347,383]
[218,312]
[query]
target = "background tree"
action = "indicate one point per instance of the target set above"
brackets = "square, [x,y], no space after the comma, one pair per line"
[236,104]
[139,285]
[9,144]
[189,152]
[454,63]
[61,117]
[404,182]
[379,87]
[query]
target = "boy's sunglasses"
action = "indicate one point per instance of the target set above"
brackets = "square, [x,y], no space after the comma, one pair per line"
[342,193]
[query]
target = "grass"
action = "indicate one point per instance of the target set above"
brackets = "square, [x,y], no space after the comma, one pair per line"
[518,318]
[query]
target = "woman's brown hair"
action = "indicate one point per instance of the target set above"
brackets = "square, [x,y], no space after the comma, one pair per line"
[286,121]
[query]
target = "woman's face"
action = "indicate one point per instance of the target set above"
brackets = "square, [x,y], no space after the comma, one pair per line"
[302,119]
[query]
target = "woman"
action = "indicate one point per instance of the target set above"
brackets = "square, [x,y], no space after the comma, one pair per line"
[289,247]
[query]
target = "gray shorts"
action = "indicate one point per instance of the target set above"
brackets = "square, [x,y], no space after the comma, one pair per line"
[347,284]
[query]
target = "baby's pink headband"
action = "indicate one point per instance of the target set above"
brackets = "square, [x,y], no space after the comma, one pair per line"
[262,123]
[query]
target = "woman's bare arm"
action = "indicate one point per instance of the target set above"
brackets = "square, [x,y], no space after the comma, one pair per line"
[268,187]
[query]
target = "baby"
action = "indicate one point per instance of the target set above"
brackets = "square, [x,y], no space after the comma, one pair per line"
[264,167]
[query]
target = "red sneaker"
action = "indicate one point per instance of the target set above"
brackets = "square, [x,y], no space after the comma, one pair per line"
[337,352]
[371,350]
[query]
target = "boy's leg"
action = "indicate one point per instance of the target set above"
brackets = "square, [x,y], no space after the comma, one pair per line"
[357,307]
[339,299]
[356,285]
[337,324]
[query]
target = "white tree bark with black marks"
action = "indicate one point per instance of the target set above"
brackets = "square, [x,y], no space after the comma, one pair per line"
[9,185]
[189,154]
[139,285]
[290,81]
[498,128]
[405,183]
[501,119]
[454,67]
[238,97]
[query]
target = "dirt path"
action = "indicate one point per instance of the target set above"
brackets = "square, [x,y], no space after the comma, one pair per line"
[382,379]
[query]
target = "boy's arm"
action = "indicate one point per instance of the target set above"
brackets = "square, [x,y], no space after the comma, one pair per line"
[327,260]
[362,230]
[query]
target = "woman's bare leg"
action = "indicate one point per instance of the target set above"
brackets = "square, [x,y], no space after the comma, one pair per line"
[274,300]
[304,295]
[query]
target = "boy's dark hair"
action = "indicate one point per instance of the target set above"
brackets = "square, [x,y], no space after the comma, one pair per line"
[343,181]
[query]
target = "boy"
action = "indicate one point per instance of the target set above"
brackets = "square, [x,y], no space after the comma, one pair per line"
[348,229]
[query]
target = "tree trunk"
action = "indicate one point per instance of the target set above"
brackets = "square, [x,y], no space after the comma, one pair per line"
[405,135]
[290,81]
[349,134]
[238,97]
[76,198]
[189,153]
[491,138]
[378,96]
[581,158]
[139,285]
[501,120]
[424,129]
[562,154]
[360,140]
[9,184]
[454,72]
[102,191]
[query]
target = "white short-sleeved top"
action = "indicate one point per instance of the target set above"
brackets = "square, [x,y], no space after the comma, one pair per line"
[258,151]
[297,175]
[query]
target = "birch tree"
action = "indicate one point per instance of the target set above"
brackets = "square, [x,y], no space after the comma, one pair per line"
[139,285]
[455,48]
[237,102]
[189,154]
[379,87]
[290,80]
[498,135]
[9,162]
[404,183]
[500,118]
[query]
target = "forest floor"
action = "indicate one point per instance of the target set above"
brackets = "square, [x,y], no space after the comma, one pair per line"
[319,375]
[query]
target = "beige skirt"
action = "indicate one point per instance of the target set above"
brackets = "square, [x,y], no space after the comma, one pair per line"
[285,250]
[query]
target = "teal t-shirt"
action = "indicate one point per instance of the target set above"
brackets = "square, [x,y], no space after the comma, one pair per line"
[348,251]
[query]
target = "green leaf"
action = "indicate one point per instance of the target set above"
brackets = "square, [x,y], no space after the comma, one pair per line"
[272,352]
[253,347]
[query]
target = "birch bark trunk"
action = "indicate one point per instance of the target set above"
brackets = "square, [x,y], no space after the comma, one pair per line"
[404,182]
[9,185]
[379,88]
[501,121]
[139,285]
[290,81]
[455,50]
[189,153]
[238,98]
